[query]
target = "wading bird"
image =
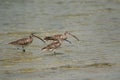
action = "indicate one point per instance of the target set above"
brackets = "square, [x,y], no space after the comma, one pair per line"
[61,36]
[25,41]
[53,46]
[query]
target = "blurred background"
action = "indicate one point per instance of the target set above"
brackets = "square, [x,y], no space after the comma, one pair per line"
[95,22]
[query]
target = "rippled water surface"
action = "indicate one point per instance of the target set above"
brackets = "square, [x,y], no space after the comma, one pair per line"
[95,22]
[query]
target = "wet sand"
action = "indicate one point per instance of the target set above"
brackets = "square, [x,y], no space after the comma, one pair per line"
[95,57]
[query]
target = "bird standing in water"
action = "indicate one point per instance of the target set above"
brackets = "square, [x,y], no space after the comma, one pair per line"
[53,46]
[25,41]
[61,36]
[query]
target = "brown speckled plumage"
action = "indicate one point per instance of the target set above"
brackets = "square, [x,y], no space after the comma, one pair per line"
[60,36]
[54,45]
[22,42]
[25,41]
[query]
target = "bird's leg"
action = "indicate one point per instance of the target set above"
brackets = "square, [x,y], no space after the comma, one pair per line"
[23,48]
[18,48]
[53,52]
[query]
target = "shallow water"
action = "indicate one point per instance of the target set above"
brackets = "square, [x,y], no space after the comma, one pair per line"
[95,57]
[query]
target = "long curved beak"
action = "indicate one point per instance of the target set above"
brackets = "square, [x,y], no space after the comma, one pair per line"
[38,38]
[74,36]
[68,41]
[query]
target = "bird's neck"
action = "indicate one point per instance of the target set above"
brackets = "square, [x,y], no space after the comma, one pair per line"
[31,36]
[66,33]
